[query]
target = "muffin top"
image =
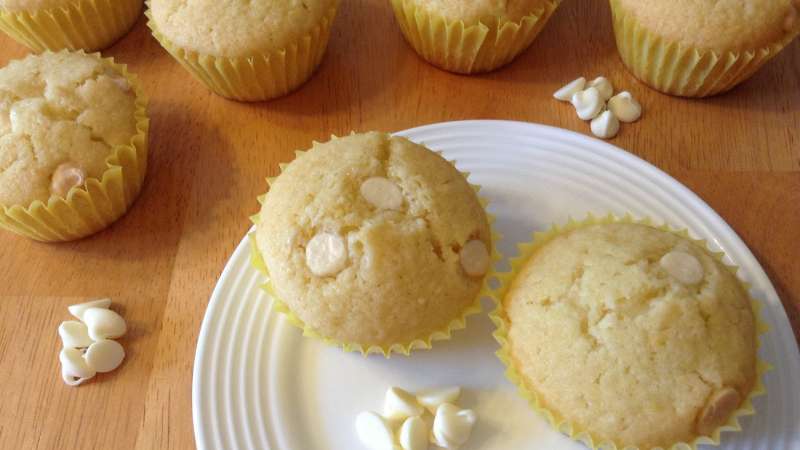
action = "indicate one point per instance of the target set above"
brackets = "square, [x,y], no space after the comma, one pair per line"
[473,11]
[237,28]
[374,240]
[61,114]
[719,25]
[635,334]
[32,5]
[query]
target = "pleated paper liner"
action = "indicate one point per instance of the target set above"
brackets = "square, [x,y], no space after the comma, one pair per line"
[457,47]
[561,424]
[676,69]
[83,24]
[258,77]
[94,206]
[365,349]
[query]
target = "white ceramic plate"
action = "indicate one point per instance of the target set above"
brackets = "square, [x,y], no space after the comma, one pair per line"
[258,384]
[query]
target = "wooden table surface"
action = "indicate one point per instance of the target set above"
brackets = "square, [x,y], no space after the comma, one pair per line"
[208,158]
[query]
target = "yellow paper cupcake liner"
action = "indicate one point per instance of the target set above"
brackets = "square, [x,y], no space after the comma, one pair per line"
[675,69]
[258,77]
[365,349]
[83,24]
[560,423]
[457,47]
[94,206]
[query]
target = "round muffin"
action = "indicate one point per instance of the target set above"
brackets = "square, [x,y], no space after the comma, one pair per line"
[634,335]
[63,116]
[68,24]
[264,49]
[374,241]
[472,36]
[701,47]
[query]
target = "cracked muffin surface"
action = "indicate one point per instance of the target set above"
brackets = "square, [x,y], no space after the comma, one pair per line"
[614,343]
[402,277]
[58,108]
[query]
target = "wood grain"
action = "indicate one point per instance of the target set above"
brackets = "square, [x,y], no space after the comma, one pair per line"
[740,152]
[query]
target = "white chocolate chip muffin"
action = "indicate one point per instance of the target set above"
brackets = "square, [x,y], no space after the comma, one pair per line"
[472,36]
[634,335]
[63,117]
[68,24]
[264,49]
[374,241]
[696,48]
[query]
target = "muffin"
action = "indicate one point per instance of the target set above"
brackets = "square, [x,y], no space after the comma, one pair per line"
[243,50]
[629,336]
[73,144]
[68,24]
[697,48]
[374,243]
[472,36]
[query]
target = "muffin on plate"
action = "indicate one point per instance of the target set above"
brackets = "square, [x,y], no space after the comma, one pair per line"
[68,24]
[472,36]
[243,50]
[73,144]
[697,48]
[374,243]
[625,335]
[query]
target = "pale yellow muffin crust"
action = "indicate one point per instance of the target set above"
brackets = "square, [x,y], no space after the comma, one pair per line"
[237,28]
[719,25]
[402,279]
[473,11]
[609,341]
[57,108]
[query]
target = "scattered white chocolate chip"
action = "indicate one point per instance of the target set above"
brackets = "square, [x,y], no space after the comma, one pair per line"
[413,434]
[475,258]
[399,404]
[104,355]
[326,254]
[432,398]
[683,267]
[374,432]
[78,310]
[73,367]
[104,323]
[605,125]
[625,107]
[587,103]
[66,177]
[382,193]
[74,334]
[603,86]
[452,426]
[717,411]
[565,93]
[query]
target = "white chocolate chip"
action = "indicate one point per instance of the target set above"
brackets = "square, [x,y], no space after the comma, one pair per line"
[399,404]
[104,355]
[78,310]
[565,93]
[605,125]
[432,398]
[73,366]
[326,254]
[683,267]
[66,177]
[382,193]
[475,258]
[104,323]
[717,411]
[603,86]
[452,426]
[587,103]
[625,107]
[413,434]
[374,432]
[74,334]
